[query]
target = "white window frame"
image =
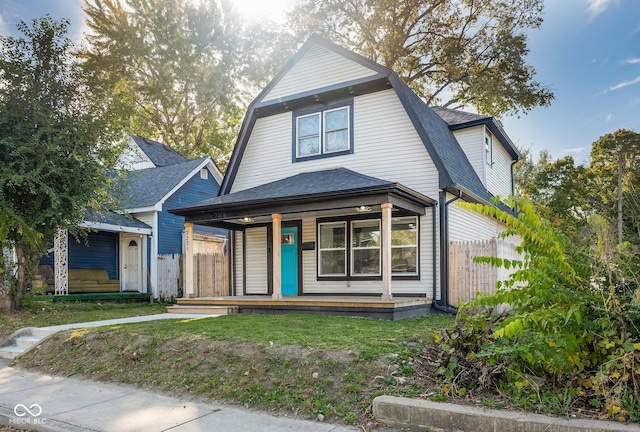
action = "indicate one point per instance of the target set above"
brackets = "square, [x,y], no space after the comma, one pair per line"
[204,174]
[322,133]
[357,248]
[343,249]
[325,131]
[319,135]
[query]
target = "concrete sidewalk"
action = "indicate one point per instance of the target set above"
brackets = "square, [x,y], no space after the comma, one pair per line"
[41,402]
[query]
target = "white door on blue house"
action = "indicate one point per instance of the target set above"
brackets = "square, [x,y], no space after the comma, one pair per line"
[131,262]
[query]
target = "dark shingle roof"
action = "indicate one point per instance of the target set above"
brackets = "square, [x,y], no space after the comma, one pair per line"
[455,117]
[147,187]
[331,181]
[453,165]
[160,154]
[112,218]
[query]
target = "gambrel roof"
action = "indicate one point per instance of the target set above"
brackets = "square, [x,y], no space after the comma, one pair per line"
[456,173]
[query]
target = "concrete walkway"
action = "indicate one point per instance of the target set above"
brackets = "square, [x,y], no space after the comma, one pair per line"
[26,338]
[42,402]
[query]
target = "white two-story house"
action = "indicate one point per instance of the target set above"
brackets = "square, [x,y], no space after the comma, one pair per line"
[343,183]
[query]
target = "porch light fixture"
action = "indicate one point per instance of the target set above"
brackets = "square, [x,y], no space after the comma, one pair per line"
[363,209]
[246,219]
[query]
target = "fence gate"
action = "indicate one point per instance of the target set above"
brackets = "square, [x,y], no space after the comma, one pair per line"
[211,275]
[467,278]
[169,277]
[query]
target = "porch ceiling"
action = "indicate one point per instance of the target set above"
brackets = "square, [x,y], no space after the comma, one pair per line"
[339,190]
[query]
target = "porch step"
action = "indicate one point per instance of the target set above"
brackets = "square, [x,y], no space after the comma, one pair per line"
[202,309]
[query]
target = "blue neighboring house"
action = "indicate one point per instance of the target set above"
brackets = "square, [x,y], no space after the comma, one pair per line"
[129,243]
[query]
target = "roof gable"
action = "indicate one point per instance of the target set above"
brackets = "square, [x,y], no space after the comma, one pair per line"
[318,68]
[148,187]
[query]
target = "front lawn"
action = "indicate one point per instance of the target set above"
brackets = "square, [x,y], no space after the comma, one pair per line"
[299,365]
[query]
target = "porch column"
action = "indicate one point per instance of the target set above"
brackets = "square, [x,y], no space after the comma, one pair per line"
[189,288]
[277,266]
[386,251]
[61,262]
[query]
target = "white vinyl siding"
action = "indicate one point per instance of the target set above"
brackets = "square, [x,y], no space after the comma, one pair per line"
[468,225]
[499,174]
[424,286]
[256,265]
[385,145]
[471,142]
[238,263]
[317,69]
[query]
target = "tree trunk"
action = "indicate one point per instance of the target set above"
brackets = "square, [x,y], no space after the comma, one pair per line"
[619,199]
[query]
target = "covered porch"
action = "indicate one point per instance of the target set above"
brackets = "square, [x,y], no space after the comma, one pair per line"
[113,256]
[335,241]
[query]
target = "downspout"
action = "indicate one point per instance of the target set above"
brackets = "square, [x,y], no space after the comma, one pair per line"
[444,305]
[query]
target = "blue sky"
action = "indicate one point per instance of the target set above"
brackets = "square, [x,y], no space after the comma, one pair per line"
[587,52]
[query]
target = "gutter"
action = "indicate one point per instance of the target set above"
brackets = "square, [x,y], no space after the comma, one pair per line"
[443,305]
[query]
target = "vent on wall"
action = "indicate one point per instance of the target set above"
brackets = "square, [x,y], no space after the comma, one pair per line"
[204,174]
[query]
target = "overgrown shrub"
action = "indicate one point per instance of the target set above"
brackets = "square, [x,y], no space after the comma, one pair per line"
[569,340]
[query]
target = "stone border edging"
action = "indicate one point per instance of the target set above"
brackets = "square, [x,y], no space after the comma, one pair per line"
[445,417]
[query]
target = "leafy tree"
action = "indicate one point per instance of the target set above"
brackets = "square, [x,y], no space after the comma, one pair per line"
[54,146]
[568,338]
[559,189]
[460,52]
[615,163]
[175,67]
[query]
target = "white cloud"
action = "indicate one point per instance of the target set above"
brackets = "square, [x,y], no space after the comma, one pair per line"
[624,84]
[596,7]
[632,61]
[3,26]
[609,117]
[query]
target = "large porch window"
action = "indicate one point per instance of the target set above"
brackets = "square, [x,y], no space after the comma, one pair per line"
[351,249]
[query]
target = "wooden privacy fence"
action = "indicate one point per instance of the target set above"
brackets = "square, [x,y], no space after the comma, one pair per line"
[467,278]
[211,274]
[169,277]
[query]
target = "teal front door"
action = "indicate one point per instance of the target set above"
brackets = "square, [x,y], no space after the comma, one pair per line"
[289,261]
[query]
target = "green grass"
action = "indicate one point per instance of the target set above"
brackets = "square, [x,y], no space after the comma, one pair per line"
[368,336]
[41,311]
[301,365]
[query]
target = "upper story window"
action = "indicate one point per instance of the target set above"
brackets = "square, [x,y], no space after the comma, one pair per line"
[323,133]
[488,147]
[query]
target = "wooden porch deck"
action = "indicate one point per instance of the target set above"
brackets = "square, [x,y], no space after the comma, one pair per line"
[363,306]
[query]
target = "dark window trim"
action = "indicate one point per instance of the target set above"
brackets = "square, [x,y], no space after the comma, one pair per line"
[348,220]
[320,109]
